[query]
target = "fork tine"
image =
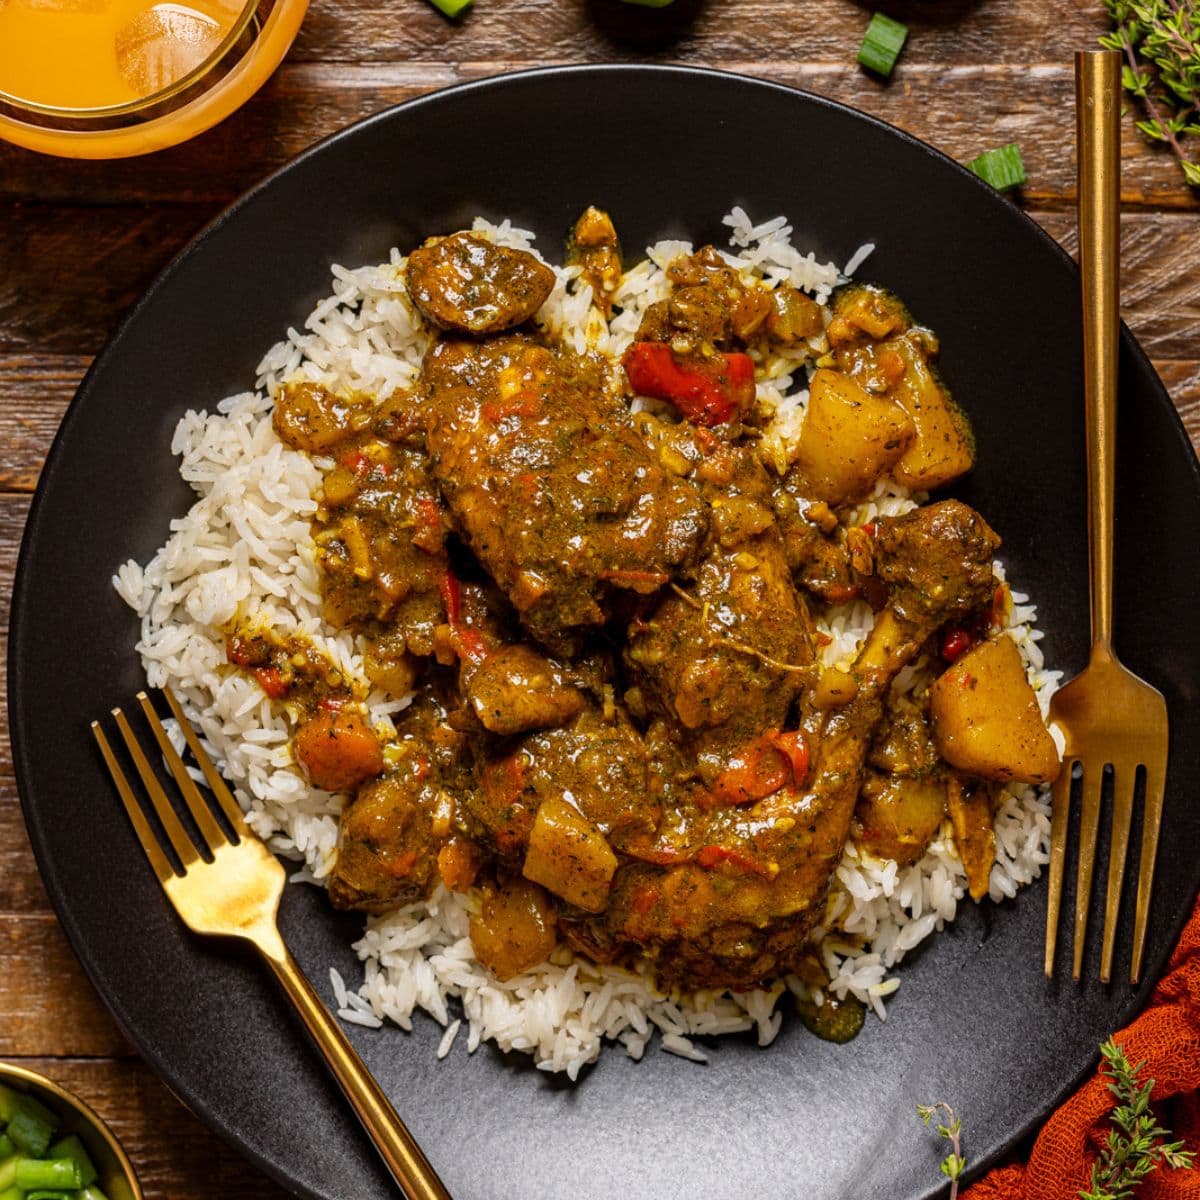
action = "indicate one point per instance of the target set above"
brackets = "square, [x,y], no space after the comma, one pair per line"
[1089,823]
[212,833]
[173,827]
[217,785]
[1060,816]
[145,835]
[1152,807]
[1122,816]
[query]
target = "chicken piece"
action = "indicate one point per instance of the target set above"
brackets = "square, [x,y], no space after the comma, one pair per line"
[600,764]
[710,307]
[726,658]
[516,689]
[897,817]
[594,247]
[311,418]
[986,718]
[903,745]
[820,563]
[515,928]
[380,532]
[467,284]
[749,882]
[392,832]
[560,499]
[936,561]
[971,804]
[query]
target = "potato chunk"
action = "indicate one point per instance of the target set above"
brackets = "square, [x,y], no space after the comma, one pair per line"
[568,855]
[515,928]
[986,720]
[849,439]
[944,447]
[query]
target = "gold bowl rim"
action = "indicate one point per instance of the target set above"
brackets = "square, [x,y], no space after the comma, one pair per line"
[85,1110]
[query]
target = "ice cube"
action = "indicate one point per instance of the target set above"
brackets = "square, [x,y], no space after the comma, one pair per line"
[161,45]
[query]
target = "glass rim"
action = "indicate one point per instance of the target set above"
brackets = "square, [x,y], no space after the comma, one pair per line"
[135,107]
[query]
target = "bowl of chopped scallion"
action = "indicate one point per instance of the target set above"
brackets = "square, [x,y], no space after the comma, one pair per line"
[54,1147]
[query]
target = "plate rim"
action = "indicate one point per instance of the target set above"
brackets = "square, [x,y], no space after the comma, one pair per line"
[179,1087]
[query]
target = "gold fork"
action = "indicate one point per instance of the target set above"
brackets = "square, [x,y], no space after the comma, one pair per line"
[237,895]
[1108,715]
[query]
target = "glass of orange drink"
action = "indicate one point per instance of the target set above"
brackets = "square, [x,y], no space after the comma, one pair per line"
[110,78]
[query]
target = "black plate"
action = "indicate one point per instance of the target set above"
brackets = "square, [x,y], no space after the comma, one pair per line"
[667,151]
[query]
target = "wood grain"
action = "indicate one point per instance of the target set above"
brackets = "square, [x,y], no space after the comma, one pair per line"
[36,389]
[21,890]
[36,962]
[175,1156]
[1031,105]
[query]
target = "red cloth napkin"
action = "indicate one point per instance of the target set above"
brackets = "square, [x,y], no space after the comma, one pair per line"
[1166,1036]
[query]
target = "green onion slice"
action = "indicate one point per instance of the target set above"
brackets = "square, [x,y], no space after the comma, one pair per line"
[882,44]
[452,8]
[1002,168]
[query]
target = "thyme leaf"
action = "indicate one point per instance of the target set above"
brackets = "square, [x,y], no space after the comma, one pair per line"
[1138,1143]
[1160,42]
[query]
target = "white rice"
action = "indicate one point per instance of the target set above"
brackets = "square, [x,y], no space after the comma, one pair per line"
[245,547]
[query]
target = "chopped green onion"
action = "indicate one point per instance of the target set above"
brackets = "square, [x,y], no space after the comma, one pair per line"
[8,1172]
[7,1149]
[452,8]
[1002,168]
[12,1193]
[29,1132]
[35,1108]
[8,1103]
[882,44]
[88,1193]
[55,1195]
[58,1174]
[72,1148]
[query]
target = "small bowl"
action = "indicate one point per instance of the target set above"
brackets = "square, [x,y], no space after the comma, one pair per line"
[252,48]
[117,1177]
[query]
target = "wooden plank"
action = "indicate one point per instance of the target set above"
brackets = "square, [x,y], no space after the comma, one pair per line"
[14,507]
[67,274]
[1183,382]
[36,389]
[689,30]
[48,1004]
[175,1156]
[21,889]
[1031,105]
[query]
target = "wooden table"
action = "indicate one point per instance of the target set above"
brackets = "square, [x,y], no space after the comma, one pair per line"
[79,241]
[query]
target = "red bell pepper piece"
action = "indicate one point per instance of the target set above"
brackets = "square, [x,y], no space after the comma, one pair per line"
[271,680]
[709,857]
[956,641]
[707,392]
[467,641]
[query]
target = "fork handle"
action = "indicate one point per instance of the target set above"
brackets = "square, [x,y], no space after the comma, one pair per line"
[1098,117]
[397,1147]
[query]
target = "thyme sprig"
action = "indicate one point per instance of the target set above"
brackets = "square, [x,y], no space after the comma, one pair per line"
[1160,41]
[1139,1143]
[953,1165]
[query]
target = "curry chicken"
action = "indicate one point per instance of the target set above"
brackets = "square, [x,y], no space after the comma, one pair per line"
[621,735]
